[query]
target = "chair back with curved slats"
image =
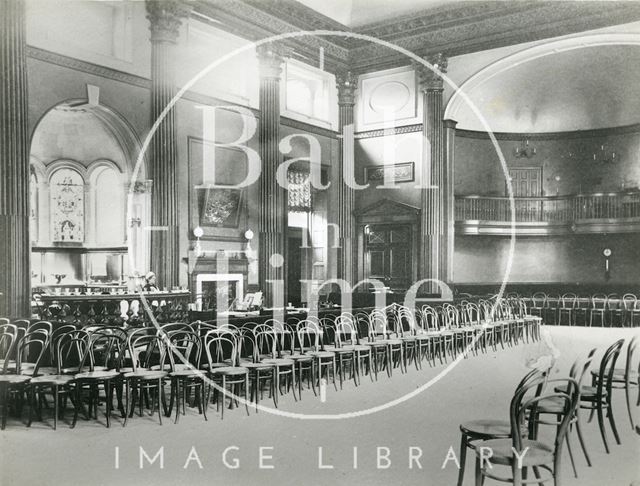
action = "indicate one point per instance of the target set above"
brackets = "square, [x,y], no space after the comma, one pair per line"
[346,333]
[523,407]
[309,335]
[183,348]
[8,342]
[221,349]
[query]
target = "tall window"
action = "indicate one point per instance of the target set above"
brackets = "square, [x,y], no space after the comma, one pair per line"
[299,189]
[109,214]
[67,206]
[33,206]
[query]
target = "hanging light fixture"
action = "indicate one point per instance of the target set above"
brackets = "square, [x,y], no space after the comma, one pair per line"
[525,150]
[606,156]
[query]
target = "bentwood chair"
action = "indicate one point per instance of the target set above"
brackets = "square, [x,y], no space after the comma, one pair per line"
[183,348]
[475,431]
[287,347]
[283,368]
[13,383]
[631,309]
[521,454]
[555,408]
[598,308]
[625,378]
[69,349]
[146,350]
[538,304]
[379,337]
[567,307]
[222,348]
[309,336]
[109,348]
[259,373]
[615,310]
[347,339]
[598,397]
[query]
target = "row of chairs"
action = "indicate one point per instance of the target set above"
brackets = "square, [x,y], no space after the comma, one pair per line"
[539,400]
[601,309]
[204,362]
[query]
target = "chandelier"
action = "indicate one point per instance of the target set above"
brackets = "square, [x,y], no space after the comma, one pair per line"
[525,150]
[606,156]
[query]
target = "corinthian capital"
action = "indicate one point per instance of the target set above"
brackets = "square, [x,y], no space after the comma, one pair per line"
[346,82]
[270,59]
[165,18]
[431,79]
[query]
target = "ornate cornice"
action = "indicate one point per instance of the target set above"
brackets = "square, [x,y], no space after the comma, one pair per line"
[165,18]
[249,20]
[589,134]
[347,83]
[87,67]
[457,28]
[384,132]
[462,29]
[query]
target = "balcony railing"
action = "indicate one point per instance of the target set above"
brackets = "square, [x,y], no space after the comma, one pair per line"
[612,208]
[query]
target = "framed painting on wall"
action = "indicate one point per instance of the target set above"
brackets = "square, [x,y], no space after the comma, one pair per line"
[220,207]
[404,172]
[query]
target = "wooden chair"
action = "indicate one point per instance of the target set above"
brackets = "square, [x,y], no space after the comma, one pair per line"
[631,307]
[625,378]
[598,308]
[555,408]
[221,348]
[475,431]
[568,303]
[309,337]
[615,310]
[597,398]
[522,454]
[149,371]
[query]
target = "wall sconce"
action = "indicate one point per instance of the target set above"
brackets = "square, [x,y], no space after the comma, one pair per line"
[557,179]
[248,251]
[197,248]
[606,156]
[607,253]
[525,150]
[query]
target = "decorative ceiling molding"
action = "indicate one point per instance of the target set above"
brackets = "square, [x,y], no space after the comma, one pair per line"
[454,29]
[589,134]
[384,132]
[307,127]
[87,67]
[248,20]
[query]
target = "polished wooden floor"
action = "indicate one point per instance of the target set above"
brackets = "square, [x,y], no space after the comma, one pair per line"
[478,387]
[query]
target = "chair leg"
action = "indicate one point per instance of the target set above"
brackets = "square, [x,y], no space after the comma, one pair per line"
[612,421]
[246,394]
[627,396]
[566,437]
[463,458]
[603,432]
[479,475]
[581,439]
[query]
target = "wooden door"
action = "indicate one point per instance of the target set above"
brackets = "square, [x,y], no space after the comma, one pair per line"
[388,254]
[526,182]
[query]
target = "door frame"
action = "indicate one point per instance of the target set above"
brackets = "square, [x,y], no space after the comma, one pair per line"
[387,212]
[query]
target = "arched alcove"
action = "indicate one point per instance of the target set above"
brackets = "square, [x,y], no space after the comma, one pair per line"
[83,156]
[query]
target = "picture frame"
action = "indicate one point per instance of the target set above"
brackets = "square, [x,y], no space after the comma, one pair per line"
[220,207]
[402,172]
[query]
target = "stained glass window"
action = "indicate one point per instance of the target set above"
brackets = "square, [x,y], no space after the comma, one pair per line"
[299,188]
[67,206]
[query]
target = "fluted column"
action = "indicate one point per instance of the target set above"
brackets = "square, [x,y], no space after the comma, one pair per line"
[15,245]
[448,236]
[273,197]
[346,83]
[433,172]
[165,19]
